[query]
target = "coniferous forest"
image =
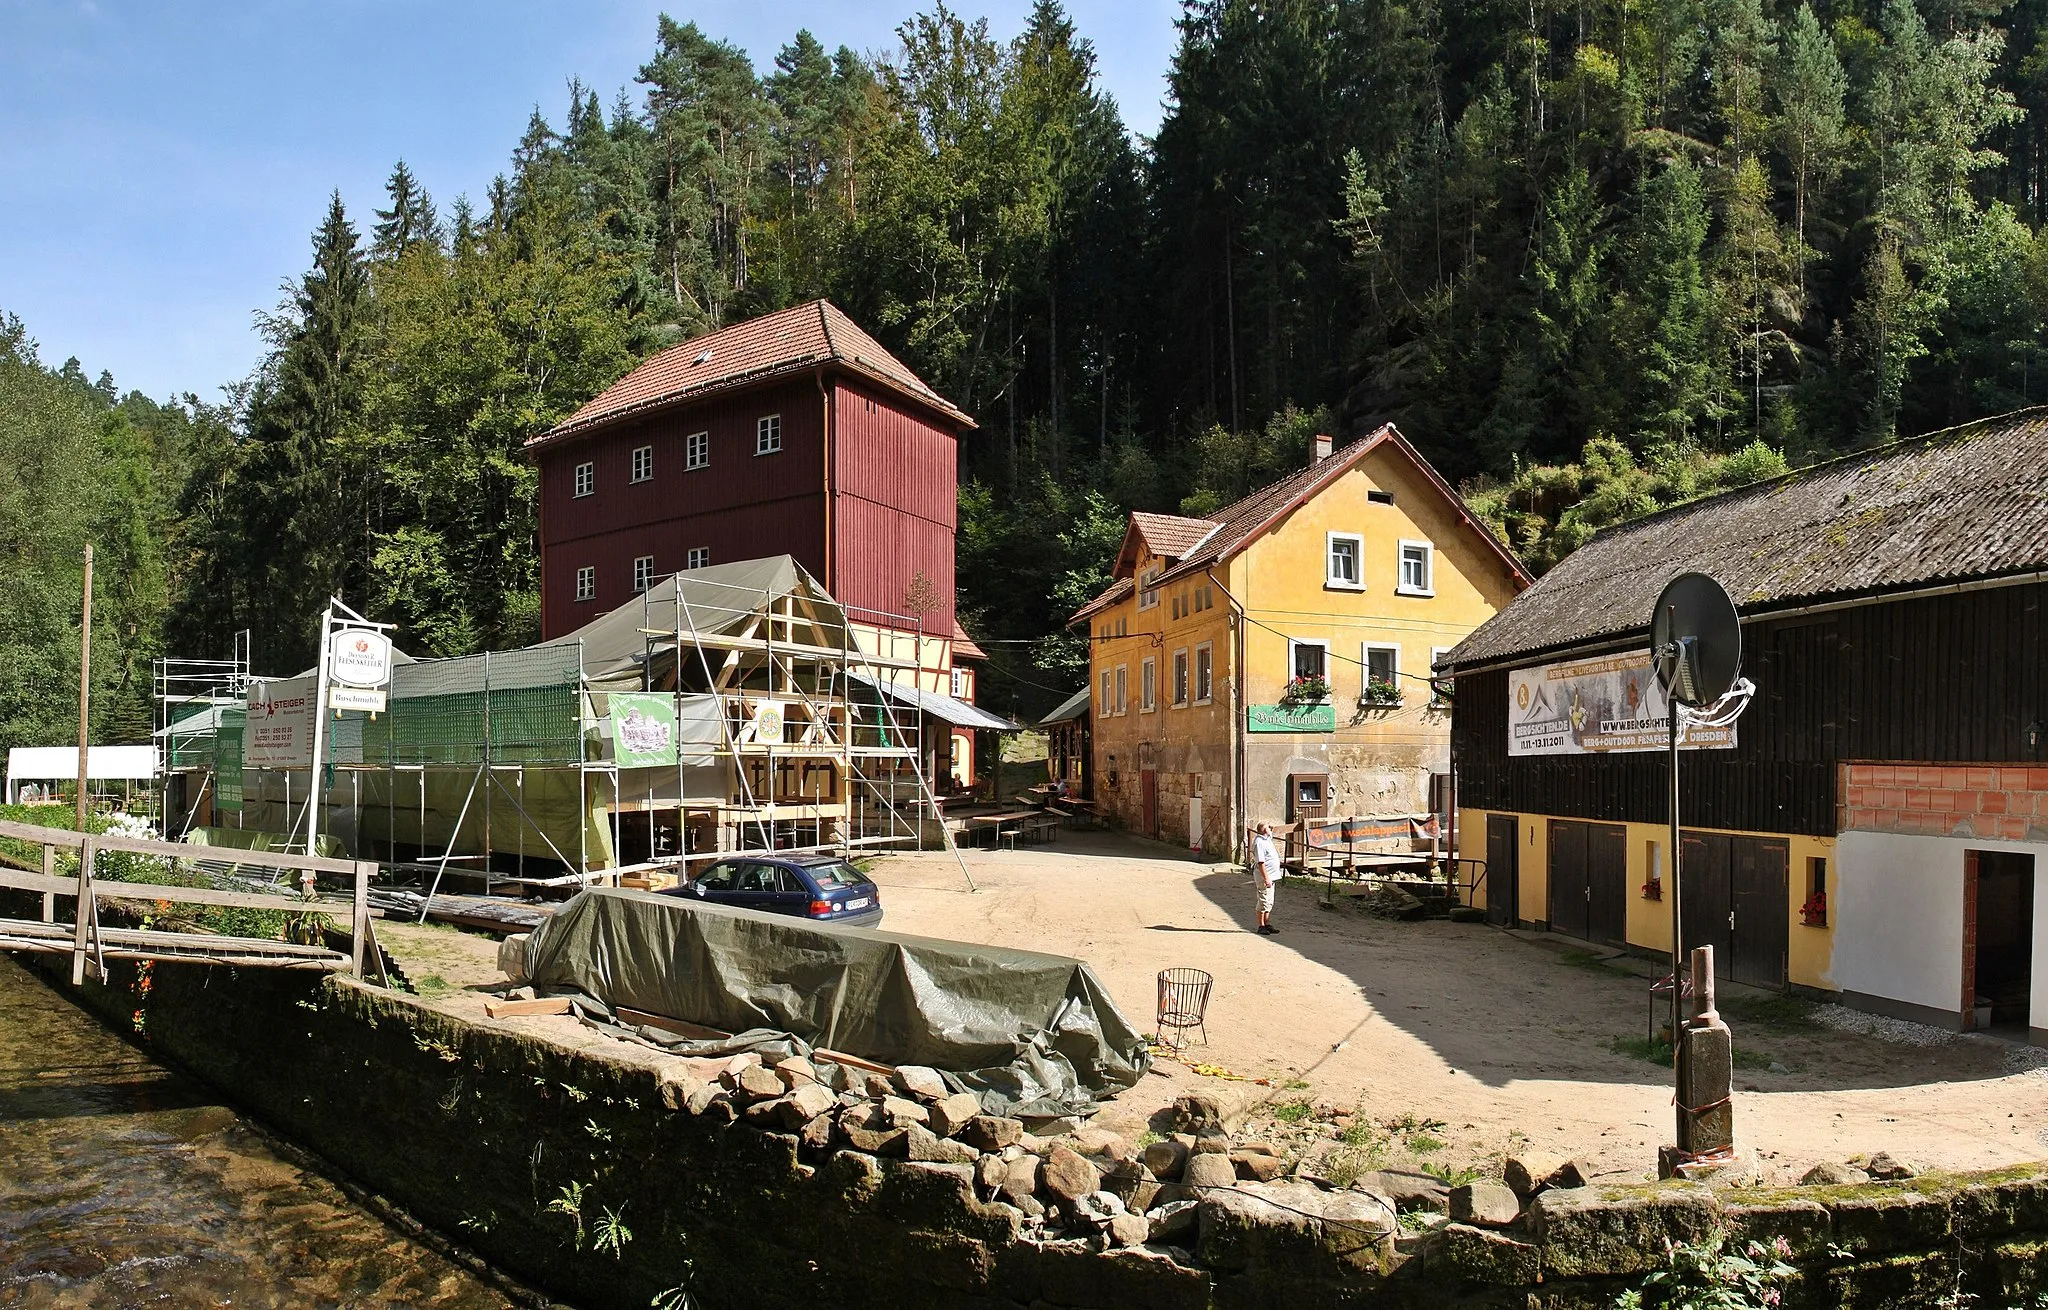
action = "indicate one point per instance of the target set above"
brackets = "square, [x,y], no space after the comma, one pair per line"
[1593,257]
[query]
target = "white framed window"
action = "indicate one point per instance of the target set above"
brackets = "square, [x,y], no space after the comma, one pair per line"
[1148,595]
[699,557]
[960,689]
[1382,678]
[586,583]
[1346,555]
[1308,659]
[1180,677]
[1418,569]
[768,434]
[697,451]
[643,463]
[643,572]
[1123,688]
[1205,669]
[1104,706]
[586,479]
[1148,684]
[1437,677]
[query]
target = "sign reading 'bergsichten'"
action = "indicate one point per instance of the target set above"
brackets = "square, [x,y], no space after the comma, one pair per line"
[1606,705]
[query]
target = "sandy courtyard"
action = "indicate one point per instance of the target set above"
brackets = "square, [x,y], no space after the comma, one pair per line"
[1489,1039]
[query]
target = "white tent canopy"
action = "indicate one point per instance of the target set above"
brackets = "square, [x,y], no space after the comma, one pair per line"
[60,764]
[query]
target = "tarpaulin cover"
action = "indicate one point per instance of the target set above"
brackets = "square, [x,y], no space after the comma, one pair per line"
[1031,1034]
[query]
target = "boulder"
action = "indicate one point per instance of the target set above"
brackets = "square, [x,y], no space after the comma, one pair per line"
[949,1114]
[1460,1253]
[1529,1172]
[871,1085]
[1132,1182]
[901,1113]
[987,1132]
[865,1130]
[1594,1232]
[1890,1169]
[796,1071]
[765,1114]
[922,1143]
[1021,1179]
[1175,1219]
[1212,1143]
[703,1097]
[805,1102]
[1130,1230]
[1485,1202]
[924,1083]
[1031,1206]
[1829,1174]
[1098,1207]
[678,1086]
[1220,1108]
[1286,1226]
[1573,1173]
[1257,1165]
[989,1171]
[1068,1176]
[1409,1191]
[757,1084]
[1209,1169]
[1100,1141]
[816,1135]
[1165,1158]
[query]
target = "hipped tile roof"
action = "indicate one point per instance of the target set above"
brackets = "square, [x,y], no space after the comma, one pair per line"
[1965,503]
[787,341]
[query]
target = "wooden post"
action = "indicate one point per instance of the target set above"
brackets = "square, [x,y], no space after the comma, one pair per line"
[86,910]
[84,686]
[361,920]
[49,871]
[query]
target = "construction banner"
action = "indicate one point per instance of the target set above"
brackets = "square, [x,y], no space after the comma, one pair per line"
[643,729]
[1600,706]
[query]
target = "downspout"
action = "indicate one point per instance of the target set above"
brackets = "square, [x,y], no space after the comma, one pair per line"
[1239,818]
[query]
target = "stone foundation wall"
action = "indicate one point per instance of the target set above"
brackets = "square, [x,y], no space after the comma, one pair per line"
[505,1141]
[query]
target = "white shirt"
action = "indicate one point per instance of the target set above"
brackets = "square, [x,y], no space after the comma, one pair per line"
[1267,856]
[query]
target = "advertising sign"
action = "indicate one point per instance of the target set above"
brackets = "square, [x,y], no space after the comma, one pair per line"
[358,657]
[278,734]
[1607,705]
[1286,718]
[643,729]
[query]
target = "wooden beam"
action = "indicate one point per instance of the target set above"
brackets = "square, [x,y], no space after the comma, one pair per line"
[512,1009]
[667,1024]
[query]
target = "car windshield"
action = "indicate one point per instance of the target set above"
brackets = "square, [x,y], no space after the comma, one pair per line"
[836,874]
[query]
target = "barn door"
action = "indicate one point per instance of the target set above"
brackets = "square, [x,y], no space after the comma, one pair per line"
[1761,913]
[1568,891]
[1607,883]
[1704,895]
[1502,846]
[1148,785]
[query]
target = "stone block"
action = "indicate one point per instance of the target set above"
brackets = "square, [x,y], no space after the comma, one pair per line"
[1130,1230]
[865,1130]
[1102,1142]
[922,1143]
[1803,1222]
[1021,1177]
[703,1097]
[1294,1227]
[1529,1172]
[1068,1176]
[678,1085]
[1461,1253]
[1257,1165]
[899,1113]
[921,1082]
[1165,1158]
[1887,1168]
[1875,1220]
[1213,1141]
[2014,1201]
[987,1132]
[1173,1221]
[805,1102]
[1132,1182]
[765,1114]
[1409,1191]
[796,1071]
[1829,1174]
[757,1084]
[1220,1109]
[1209,1169]
[949,1114]
[1485,1202]
[989,1172]
[1594,1232]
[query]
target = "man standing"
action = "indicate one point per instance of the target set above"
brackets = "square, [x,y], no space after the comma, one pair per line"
[1266,869]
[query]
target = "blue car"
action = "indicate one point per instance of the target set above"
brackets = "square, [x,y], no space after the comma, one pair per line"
[821,888]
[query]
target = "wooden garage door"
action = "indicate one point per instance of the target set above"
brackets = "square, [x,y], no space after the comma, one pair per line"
[1502,846]
[1733,892]
[1589,880]
[1568,878]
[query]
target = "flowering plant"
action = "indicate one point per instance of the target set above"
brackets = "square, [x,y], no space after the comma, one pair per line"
[1381,691]
[1814,914]
[1306,690]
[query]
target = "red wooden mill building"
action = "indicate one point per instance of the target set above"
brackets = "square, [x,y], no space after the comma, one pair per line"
[794,433]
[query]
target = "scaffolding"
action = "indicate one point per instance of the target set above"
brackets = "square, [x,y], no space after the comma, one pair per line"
[523,766]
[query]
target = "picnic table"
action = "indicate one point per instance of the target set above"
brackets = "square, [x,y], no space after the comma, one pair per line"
[1013,823]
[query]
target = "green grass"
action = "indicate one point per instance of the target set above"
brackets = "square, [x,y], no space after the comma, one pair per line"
[1360,1133]
[1424,1144]
[1293,1112]
[1786,1013]
[432,985]
[1295,1085]
[1450,1176]
[1642,1048]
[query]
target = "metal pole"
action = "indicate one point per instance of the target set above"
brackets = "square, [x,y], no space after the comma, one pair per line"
[317,791]
[84,689]
[1677,918]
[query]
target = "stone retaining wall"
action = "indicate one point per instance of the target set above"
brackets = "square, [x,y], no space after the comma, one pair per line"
[510,1144]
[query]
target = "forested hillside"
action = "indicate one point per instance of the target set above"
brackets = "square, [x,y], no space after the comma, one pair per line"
[1592,257]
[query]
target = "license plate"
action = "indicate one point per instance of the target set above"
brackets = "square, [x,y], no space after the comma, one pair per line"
[860,903]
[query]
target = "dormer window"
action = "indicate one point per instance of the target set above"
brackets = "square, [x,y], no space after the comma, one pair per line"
[1148,594]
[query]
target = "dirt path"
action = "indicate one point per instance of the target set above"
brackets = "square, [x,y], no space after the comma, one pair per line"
[1458,1033]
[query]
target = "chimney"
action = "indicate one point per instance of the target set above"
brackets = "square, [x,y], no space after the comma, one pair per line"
[1322,447]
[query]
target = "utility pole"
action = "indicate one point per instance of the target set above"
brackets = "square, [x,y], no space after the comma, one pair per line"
[84,686]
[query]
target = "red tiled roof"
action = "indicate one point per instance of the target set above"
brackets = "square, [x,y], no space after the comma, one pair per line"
[1169,535]
[787,341]
[1115,592]
[964,646]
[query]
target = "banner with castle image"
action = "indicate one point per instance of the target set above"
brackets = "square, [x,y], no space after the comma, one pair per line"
[1606,705]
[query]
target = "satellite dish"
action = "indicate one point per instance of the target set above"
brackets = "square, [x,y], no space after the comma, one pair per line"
[1695,640]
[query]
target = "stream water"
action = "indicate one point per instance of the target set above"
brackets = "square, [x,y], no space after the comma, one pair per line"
[124,1184]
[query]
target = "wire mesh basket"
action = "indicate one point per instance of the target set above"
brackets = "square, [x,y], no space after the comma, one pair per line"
[1183,1004]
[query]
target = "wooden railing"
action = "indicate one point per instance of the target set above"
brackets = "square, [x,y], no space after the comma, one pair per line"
[89,944]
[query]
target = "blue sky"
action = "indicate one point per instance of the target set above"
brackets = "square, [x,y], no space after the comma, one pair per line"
[165,162]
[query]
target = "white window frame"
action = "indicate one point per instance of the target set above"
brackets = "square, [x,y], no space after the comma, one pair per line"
[697,451]
[1428,587]
[959,684]
[1356,540]
[643,464]
[1296,643]
[1365,652]
[1436,653]
[1183,678]
[768,434]
[1105,706]
[1148,596]
[643,573]
[586,582]
[1148,685]
[699,557]
[1123,689]
[1204,687]
[585,479]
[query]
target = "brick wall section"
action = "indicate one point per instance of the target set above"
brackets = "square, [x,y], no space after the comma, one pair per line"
[1995,801]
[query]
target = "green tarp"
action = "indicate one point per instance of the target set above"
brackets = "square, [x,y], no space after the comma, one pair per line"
[1031,1034]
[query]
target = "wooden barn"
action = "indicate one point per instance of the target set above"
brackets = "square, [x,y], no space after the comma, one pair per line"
[1874,825]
